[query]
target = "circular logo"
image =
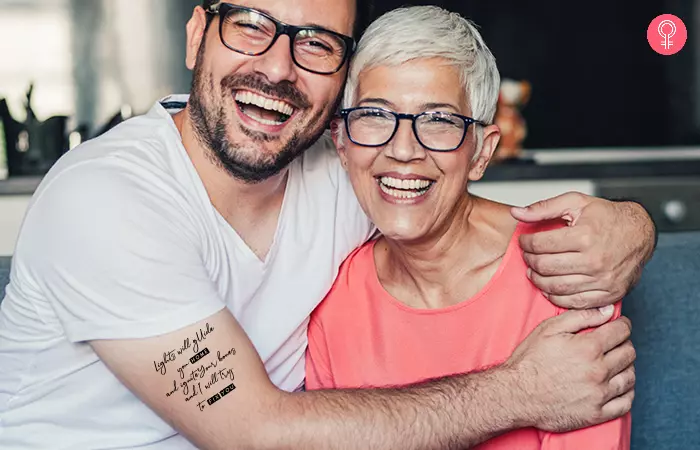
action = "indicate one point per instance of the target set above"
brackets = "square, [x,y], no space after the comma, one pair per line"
[667,34]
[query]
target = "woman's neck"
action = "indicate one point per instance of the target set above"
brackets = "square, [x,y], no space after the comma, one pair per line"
[452,264]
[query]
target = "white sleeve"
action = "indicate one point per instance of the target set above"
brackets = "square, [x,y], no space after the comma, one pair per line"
[115,256]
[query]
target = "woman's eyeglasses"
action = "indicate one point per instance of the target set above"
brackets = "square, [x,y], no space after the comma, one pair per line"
[436,131]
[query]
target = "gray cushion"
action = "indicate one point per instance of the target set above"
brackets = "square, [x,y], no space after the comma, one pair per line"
[665,314]
[4,275]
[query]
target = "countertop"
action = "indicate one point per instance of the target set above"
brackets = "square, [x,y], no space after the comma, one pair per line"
[599,163]
[563,164]
[19,186]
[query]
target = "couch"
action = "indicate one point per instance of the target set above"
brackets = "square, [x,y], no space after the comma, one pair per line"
[4,275]
[665,312]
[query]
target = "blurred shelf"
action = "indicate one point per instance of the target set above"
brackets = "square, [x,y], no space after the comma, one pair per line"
[19,186]
[540,165]
[603,155]
[592,169]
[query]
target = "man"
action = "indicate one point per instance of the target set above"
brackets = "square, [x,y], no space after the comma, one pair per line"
[165,273]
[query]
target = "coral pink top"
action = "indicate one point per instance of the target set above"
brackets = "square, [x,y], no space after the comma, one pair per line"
[361,336]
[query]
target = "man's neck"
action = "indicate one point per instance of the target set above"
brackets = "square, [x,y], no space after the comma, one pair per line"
[251,209]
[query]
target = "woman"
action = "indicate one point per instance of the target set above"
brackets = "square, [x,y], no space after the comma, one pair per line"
[444,290]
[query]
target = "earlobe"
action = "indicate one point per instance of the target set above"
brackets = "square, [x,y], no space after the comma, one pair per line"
[478,169]
[492,135]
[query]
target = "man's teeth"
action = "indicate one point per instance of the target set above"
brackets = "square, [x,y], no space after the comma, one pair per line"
[261,120]
[404,189]
[405,184]
[249,98]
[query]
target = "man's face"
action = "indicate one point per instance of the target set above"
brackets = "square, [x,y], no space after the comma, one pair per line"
[256,114]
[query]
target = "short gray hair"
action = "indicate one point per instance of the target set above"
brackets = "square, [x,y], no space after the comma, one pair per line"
[417,32]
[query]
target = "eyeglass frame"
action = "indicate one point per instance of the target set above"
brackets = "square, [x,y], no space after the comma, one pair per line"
[345,113]
[222,9]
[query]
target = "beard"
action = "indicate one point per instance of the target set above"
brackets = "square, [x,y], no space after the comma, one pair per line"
[247,162]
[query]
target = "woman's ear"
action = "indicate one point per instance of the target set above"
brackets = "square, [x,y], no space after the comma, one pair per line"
[196,27]
[339,140]
[492,135]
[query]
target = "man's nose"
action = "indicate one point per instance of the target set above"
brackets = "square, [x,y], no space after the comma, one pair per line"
[277,63]
[405,146]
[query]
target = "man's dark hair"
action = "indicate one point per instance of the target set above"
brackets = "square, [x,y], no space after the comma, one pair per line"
[364,15]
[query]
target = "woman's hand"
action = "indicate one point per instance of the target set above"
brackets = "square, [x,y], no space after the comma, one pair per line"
[594,261]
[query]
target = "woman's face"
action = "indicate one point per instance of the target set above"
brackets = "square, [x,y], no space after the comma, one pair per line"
[409,192]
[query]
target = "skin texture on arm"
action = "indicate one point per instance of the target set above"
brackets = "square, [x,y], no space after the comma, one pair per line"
[597,259]
[208,382]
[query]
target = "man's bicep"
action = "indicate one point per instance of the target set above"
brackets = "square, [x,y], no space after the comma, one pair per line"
[206,380]
[115,259]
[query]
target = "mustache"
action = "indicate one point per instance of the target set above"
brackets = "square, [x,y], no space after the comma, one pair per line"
[284,90]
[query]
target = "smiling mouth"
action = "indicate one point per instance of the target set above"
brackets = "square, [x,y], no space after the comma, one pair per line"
[405,189]
[263,110]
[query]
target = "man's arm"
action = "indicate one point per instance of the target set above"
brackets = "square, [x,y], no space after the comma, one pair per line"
[597,259]
[208,382]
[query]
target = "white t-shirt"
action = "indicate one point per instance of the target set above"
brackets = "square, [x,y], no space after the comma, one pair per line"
[122,242]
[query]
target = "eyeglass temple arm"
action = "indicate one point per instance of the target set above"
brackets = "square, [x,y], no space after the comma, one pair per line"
[214,7]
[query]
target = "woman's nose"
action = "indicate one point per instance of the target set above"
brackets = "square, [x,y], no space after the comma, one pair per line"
[405,146]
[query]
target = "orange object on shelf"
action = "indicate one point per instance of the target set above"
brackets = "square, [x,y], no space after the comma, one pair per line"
[514,95]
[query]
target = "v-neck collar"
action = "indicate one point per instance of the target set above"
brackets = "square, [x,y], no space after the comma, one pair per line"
[240,242]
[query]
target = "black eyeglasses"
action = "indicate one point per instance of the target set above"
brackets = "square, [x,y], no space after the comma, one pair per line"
[252,32]
[436,131]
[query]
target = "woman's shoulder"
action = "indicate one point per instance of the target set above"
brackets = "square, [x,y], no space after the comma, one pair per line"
[361,260]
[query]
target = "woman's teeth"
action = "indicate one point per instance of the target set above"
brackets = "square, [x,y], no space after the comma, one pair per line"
[405,184]
[404,189]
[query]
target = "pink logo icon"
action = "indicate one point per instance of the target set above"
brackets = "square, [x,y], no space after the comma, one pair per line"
[667,34]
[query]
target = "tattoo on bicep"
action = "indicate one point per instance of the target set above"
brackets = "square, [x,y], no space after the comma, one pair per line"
[200,376]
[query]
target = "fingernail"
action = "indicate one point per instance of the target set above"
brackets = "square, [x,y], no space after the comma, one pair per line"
[607,310]
[529,274]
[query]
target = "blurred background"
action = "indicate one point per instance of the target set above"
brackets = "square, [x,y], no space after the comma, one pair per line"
[91,60]
[586,103]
